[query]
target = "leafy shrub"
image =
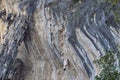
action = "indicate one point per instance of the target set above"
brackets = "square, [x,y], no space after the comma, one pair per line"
[109,68]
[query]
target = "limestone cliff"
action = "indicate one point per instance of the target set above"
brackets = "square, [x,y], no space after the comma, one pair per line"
[59,38]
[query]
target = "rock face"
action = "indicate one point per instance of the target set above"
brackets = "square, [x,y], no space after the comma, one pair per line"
[62,37]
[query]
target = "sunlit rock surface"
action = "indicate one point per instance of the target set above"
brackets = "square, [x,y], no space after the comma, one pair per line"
[64,38]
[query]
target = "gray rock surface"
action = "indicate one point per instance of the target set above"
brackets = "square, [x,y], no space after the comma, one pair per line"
[63,38]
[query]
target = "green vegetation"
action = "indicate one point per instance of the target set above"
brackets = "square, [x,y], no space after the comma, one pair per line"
[109,67]
[117,16]
[75,1]
[113,2]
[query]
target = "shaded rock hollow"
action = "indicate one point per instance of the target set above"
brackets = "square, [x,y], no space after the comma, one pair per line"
[62,37]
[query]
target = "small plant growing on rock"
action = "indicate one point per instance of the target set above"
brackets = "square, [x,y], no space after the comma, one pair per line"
[75,1]
[109,68]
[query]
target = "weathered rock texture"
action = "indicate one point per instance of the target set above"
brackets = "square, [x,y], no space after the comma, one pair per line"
[62,37]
